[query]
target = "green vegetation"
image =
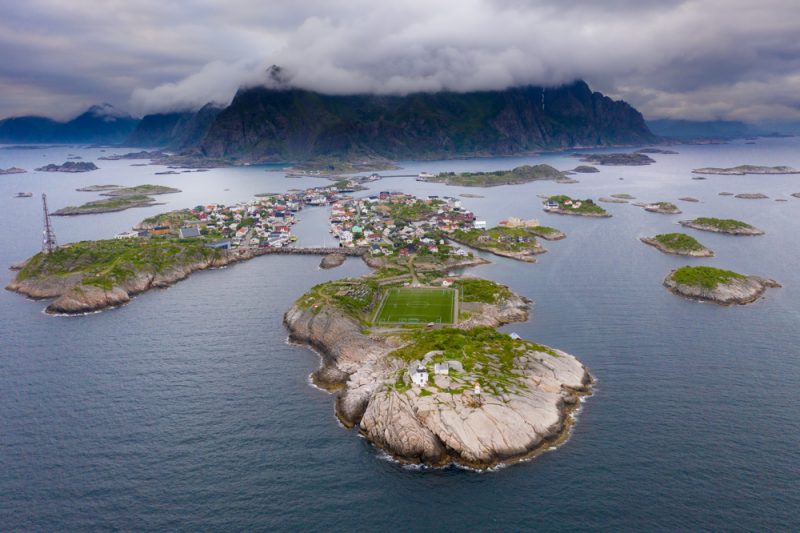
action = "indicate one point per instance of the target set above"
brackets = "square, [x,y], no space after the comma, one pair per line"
[499,238]
[415,212]
[543,230]
[355,297]
[173,219]
[667,206]
[107,263]
[725,224]
[107,205]
[704,276]
[481,290]
[679,241]
[486,355]
[522,174]
[417,306]
[146,189]
[586,206]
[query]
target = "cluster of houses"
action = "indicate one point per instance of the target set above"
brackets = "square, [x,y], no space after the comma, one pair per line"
[382,223]
[551,205]
[263,222]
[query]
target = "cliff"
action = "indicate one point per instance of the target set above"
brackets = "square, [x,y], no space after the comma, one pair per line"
[524,405]
[174,131]
[264,124]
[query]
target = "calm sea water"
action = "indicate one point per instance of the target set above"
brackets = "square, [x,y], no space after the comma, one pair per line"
[188,410]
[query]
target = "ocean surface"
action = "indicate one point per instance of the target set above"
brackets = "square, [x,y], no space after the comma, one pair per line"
[187,410]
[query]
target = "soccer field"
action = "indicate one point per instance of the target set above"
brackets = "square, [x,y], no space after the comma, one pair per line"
[414,306]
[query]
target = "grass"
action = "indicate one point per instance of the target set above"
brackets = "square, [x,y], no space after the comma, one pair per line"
[173,219]
[679,241]
[704,276]
[141,189]
[521,174]
[107,263]
[110,204]
[481,290]
[417,306]
[722,223]
[486,355]
[587,206]
[498,238]
[355,297]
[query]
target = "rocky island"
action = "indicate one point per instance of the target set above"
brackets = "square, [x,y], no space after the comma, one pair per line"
[513,242]
[656,151]
[147,189]
[108,205]
[522,174]
[456,391]
[678,244]
[742,170]
[635,159]
[69,167]
[585,169]
[723,287]
[98,188]
[752,196]
[564,205]
[122,198]
[332,260]
[12,170]
[722,225]
[664,208]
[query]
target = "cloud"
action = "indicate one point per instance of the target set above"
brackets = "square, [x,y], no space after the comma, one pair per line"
[215,82]
[670,58]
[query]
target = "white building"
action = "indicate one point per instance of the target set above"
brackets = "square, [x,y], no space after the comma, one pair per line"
[419,376]
[479,224]
[441,369]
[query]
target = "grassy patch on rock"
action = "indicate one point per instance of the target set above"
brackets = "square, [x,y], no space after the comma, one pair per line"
[704,276]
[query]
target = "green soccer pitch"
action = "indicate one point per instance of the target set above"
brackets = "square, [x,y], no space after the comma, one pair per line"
[417,306]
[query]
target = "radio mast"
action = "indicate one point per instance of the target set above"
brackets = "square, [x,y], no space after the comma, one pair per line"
[48,234]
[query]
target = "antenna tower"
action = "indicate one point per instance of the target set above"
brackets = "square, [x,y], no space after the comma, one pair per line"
[48,234]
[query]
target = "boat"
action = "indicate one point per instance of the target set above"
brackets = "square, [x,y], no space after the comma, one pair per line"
[24,195]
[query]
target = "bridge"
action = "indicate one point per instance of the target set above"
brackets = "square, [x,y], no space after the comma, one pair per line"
[289,250]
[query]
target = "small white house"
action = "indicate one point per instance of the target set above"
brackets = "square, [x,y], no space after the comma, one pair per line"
[515,336]
[479,224]
[441,369]
[419,377]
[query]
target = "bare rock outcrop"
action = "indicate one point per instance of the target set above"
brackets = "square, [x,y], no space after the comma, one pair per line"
[438,425]
[739,291]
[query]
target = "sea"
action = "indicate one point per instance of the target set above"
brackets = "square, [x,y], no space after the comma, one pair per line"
[188,410]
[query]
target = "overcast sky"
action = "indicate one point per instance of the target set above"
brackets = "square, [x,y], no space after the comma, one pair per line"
[702,59]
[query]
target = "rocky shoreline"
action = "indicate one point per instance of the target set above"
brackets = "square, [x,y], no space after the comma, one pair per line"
[72,297]
[574,213]
[439,428]
[738,291]
[526,256]
[742,170]
[705,252]
[750,231]
[664,208]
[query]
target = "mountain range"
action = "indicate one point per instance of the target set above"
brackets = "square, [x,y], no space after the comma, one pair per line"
[98,124]
[288,124]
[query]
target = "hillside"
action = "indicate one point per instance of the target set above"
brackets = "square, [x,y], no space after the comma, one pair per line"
[264,124]
[175,131]
[98,124]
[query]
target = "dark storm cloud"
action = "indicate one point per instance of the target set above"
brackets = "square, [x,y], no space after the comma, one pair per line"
[671,58]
